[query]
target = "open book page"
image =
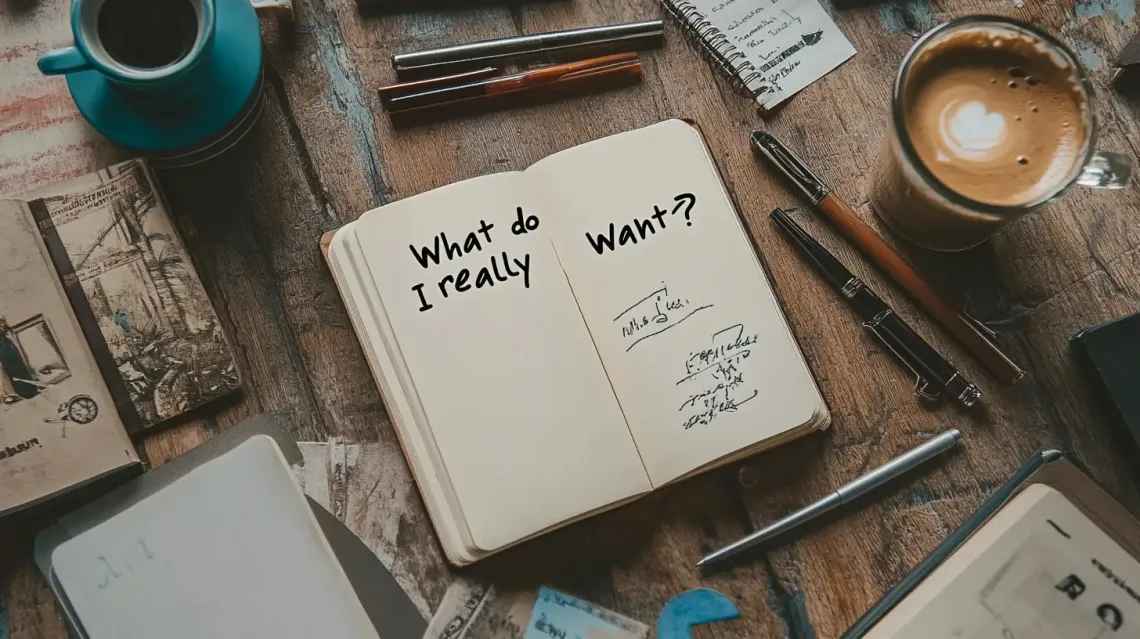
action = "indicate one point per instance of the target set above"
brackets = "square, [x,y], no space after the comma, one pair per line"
[377,339]
[1039,569]
[231,549]
[58,425]
[513,389]
[684,317]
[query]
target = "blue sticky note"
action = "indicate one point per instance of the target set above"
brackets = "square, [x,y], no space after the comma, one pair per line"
[558,615]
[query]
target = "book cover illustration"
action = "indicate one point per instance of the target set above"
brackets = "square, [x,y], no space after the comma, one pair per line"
[152,311]
[58,424]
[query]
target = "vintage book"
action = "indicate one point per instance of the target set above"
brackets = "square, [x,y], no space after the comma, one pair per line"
[105,331]
[220,542]
[557,341]
[1049,556]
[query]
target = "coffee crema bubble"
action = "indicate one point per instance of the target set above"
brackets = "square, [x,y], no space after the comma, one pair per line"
[995,119]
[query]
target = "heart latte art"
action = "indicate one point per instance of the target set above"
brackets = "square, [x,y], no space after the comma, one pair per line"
[1000,125]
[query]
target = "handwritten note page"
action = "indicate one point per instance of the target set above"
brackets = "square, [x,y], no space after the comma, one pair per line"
[230,550]
[790,43]
[1039,569]
[557,615]
[684,318]
[514,392]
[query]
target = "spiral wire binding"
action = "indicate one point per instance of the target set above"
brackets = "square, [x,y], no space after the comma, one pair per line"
[713,44]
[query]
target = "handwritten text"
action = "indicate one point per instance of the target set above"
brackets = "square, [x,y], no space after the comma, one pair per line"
[502,267]
[642,229]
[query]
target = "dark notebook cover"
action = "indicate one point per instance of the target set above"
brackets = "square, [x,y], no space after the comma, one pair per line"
[1109,355]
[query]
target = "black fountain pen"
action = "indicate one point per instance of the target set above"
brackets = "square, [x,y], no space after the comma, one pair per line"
[936,377]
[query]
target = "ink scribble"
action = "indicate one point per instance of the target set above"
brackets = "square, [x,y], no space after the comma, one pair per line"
[716,377]
[654,314]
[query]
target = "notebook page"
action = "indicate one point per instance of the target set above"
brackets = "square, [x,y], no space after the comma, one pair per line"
[230,550]
[789,43]
[58,423]
[689,329]
[1039,569]
[514,392]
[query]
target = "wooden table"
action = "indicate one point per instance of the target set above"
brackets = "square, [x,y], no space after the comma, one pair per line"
[323,152]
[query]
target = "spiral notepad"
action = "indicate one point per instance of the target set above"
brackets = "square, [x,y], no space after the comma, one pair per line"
[768,49]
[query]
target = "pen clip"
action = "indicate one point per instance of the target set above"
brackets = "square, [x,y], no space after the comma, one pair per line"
[922,386]
[595,66]
[792,166]
[922,389]
[977,324]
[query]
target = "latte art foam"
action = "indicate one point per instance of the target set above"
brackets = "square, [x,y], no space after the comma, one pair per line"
[970,132]
[996,120]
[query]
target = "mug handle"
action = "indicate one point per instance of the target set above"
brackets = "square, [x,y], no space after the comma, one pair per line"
[1106,171]
[60,61]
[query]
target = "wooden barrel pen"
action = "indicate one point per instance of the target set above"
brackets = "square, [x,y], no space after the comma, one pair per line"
[882,254]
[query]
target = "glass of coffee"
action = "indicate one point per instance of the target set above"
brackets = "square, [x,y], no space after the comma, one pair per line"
[990,119]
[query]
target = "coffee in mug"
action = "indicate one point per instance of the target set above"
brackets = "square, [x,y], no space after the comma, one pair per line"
[991,118]
[147,34]
[178,81]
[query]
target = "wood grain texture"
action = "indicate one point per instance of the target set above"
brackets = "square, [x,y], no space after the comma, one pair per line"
[323,152]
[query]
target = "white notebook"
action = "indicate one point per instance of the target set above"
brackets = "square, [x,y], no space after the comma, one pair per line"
[557,341]
[230,550]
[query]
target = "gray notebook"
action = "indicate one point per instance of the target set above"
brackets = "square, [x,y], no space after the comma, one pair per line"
[223,544]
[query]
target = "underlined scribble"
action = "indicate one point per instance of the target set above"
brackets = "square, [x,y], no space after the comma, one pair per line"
[654,314]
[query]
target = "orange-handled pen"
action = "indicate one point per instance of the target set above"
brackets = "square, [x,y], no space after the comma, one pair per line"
[531,80]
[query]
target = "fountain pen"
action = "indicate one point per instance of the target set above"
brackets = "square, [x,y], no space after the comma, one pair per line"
[935,376]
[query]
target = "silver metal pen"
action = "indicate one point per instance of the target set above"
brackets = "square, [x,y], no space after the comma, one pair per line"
[845,494]
[573,43]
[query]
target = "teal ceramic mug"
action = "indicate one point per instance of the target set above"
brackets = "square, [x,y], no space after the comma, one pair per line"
[152,50]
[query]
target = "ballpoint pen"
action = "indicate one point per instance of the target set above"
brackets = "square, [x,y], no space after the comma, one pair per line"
[559,76]
[556,46]
[843,495]
[935,376]
[971,333]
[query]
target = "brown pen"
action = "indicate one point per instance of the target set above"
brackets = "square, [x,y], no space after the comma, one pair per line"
[572,74]
[882,254]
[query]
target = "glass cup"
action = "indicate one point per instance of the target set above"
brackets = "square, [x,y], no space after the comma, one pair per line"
[922,209]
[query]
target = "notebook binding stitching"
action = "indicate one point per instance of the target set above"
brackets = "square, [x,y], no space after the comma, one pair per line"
[714,45]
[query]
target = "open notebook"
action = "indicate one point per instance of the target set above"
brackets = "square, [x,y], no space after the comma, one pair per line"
[557,341]
[1058,560]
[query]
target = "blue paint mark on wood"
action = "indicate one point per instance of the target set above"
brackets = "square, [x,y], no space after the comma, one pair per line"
[693,608]
[1089,57]
[912,17]
[5,632]
[348,97]
[1089,9]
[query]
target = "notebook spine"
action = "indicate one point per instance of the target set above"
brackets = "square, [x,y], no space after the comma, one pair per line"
[725,57]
